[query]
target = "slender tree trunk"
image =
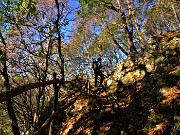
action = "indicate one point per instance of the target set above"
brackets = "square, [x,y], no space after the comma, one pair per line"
[59,40]
[11,112]
[55,105]
[175,13]
[128,27]
[41,95]
[127,24]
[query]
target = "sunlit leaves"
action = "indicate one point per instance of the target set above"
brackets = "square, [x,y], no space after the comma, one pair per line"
[25,9]
[163,16]
[16,10]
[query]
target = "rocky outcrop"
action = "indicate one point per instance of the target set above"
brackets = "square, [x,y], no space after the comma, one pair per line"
[157,53]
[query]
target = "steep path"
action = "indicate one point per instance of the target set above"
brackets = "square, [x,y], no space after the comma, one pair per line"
[143,100]
[137,99]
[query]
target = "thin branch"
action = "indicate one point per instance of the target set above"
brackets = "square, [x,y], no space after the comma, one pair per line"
[109,5]
[53,116]
[115,41]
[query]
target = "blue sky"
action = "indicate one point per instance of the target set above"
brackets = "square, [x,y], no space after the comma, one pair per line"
[74,3]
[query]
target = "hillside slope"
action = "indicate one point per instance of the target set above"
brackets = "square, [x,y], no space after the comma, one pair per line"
[137,99]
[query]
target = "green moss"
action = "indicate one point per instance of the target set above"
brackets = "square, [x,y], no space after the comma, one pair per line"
[158,59]
[161,82]
[111,91]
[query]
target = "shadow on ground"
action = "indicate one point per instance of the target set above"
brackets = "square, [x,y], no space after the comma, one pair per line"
[140,108]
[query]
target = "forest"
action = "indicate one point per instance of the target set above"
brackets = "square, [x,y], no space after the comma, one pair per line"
[47,48]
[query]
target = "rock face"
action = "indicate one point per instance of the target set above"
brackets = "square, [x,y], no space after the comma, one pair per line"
[157,53]
[154,81]
[127,72]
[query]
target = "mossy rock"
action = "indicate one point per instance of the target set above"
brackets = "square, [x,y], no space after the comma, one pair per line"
[159,59]
[161,82]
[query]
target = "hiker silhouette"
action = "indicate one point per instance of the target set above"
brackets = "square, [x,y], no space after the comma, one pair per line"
[97,67]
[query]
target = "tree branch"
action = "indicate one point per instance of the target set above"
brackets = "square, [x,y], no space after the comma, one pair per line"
[109,5]
[16,91]
[115,41]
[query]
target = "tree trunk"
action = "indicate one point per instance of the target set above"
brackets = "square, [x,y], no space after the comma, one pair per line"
[55,105]
[59,40]
[127,25]
[128,28]
[175,13]
[11,113]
